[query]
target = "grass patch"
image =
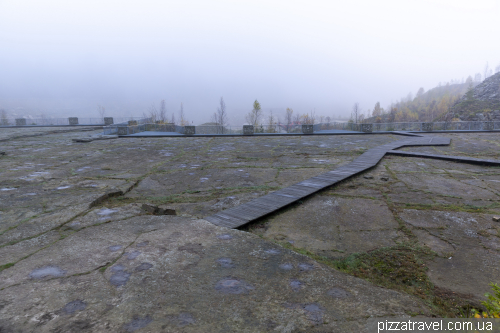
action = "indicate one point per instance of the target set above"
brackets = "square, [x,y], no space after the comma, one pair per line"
[401,267]
[2,267]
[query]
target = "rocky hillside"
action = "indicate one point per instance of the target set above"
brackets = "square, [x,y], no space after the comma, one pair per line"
[479,103]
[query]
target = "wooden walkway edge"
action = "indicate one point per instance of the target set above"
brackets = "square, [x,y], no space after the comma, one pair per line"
[453,158]
[245,213]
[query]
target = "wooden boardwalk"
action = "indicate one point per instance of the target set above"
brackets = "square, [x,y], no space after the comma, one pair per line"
[461,159]
[245,213]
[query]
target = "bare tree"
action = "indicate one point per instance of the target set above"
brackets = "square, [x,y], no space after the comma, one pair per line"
[220,117]
[296,119]
[153,113]
[377,111]
[497,69]
[271,123]
[288,118]
[162,116]
[183,119]
[254,116]
[312,117]
[477,77]
[356,110]
[101,111]
[328,120]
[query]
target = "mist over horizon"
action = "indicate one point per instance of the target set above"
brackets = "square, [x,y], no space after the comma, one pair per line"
[63,58]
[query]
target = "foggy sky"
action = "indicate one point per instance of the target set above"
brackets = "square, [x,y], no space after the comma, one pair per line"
[322,55]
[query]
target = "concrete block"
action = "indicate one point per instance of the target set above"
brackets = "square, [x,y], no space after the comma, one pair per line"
[108,121]
[73,120]
[366,128]
[122,130]
[248,130]
[307,129]
[189,130]
[20,122]
[427,127]
[488,126]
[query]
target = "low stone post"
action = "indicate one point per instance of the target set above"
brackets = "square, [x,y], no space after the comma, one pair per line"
[132,122]
[307,129]
[248,130]
[189,130]
[366,128]
[108,121]
[427,127]
[488,126]
[122,130]
[73,120]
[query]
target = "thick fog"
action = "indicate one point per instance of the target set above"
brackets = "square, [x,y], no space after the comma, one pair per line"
[66,57]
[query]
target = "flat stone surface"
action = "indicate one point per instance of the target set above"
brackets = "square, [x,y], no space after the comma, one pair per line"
[171,273]
[85,256]
[334,227]
[467,243]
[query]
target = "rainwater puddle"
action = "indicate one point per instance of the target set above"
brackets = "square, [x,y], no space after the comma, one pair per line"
[47,271]
[233,286]
[132,255]
[63,187]
[143,267]
[286,267]
[114,248]
[74,306]
[106,211]
[120,278]
[225,262]
[225,237]
[7,189]
[296,285]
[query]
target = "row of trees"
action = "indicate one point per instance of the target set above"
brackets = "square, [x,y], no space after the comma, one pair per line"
[160,115]
[290,119]
[425,106]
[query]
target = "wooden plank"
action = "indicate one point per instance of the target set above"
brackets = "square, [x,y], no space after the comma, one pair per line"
[447,158]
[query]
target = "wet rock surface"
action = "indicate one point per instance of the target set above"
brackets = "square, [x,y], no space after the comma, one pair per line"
[79,254]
